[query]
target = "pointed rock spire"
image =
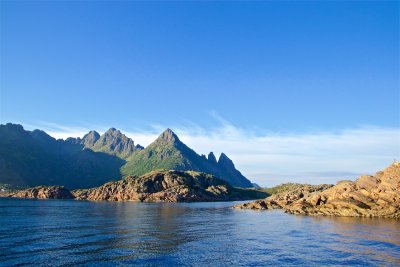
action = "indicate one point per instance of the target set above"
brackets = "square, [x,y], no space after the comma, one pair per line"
[212,158]
[225,161]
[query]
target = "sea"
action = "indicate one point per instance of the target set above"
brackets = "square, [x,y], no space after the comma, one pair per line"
[83,233]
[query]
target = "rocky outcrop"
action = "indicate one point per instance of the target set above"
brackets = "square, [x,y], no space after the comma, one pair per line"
[368,196]
[163,186]
[45,192]
[156,186]
[283,199]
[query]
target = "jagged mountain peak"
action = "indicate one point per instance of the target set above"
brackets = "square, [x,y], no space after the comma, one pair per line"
[168,136]
[93,133]
[224,158]
[116,143]
[113,132]
[14,126]
[90,138]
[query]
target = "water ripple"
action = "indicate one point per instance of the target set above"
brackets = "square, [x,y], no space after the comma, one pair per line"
[78,233]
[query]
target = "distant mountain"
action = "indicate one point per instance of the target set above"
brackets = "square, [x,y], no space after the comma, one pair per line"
[35,158]
[169,153]
[112,142]
[29,158]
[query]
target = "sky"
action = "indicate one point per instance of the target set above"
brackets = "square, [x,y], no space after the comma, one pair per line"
[304,91]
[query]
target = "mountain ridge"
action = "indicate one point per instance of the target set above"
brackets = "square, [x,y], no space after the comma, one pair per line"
[111,142]
[35,158]
[29,158]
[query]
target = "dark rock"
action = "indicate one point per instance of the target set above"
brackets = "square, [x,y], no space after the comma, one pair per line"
[211,158]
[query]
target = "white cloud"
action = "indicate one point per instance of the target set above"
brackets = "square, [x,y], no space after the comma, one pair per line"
[313,158]
[273,158]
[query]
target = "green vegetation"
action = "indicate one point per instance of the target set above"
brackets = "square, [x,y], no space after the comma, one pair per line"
[157,156]
[281,188]
[252,193]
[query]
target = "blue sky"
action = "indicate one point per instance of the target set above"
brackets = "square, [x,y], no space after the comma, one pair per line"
[260,68]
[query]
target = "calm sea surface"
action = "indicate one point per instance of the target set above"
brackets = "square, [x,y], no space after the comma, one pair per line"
[67,232]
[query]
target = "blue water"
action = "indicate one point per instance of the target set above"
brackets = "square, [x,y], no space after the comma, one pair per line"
[73,233]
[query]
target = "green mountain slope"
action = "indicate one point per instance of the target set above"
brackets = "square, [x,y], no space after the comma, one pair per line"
[169,153]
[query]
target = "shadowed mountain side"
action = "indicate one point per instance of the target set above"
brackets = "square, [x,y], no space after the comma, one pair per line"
[35,158]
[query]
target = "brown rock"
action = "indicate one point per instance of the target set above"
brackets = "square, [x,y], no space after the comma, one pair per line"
[368,196]
[163,186]
[44,192]
[283,199]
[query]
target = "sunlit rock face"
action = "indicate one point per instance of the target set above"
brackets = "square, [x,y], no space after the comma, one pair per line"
[368,196]
[164,186]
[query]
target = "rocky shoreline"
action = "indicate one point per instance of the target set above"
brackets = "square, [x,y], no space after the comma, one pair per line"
[282,200]
[44,192]
[156,186]
[368,196]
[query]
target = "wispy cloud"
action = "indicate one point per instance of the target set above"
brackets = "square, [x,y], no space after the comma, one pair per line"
[272,158]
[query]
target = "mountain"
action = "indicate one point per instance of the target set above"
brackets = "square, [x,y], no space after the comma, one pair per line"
[29,158]
[169,153]
[112,142]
